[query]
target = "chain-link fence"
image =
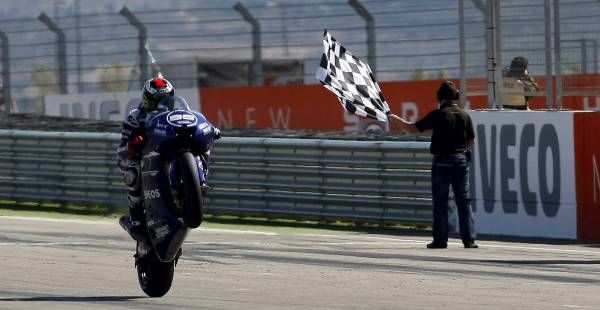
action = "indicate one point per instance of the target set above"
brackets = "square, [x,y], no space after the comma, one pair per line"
[279,42]
[558,39]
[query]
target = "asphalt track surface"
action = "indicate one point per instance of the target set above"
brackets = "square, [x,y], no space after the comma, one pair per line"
[56,264]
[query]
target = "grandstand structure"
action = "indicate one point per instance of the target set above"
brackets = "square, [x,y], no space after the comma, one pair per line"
[229,43]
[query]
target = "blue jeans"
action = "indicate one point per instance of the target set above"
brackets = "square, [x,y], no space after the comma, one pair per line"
[451,169]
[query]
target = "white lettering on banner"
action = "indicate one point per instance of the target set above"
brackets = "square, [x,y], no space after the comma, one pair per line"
[522,176]
[249,120]
[350,121]
[467,105]
[368,124]
[595,178]
[279,120]
[105,106]
[586,104]
[224,121]
[410,111]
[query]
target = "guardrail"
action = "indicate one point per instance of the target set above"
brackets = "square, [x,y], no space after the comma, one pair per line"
[324,180]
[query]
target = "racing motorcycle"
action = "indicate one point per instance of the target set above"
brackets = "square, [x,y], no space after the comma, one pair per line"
[174,170]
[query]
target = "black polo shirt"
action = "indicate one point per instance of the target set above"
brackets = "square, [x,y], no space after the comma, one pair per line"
[452,128]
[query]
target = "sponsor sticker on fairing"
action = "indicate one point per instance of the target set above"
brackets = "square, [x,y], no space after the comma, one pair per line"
[181,119]
[205,127]
[151,194]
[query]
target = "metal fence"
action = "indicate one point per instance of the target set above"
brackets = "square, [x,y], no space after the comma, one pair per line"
[102,47]
[558,37]
[60,167]
[321,180]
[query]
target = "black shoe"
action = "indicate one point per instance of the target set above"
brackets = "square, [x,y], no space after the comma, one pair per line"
[471,245]
[436,245]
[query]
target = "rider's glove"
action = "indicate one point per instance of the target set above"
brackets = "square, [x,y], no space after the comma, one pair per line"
[135,145]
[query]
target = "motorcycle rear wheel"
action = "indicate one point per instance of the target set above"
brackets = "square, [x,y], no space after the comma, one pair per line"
[192,190]
[154,276]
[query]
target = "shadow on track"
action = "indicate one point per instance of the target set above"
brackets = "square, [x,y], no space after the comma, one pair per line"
[74,298]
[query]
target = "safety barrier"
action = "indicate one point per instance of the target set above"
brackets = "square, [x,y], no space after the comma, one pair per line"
[60,167]
[324,180]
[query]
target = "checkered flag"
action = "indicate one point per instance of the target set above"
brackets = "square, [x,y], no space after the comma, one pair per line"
[351,80]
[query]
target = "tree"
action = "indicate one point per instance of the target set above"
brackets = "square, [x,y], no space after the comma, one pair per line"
[44,80]
[419,75]
[443,74]
[113,77]
[574,68]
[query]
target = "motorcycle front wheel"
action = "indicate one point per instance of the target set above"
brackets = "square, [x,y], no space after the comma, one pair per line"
[191,197]
[154,276]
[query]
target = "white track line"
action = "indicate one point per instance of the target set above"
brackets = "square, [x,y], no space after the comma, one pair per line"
[388,240]
[42,219]
[52,243]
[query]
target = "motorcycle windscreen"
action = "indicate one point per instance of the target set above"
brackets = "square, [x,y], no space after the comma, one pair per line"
[171,103]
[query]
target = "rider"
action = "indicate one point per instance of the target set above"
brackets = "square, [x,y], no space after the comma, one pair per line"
[132,139]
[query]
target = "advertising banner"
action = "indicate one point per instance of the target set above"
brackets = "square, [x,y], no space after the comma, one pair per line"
[587,167]
[281,107]
[313,107]
[310,106]
[105,106]
[523,174]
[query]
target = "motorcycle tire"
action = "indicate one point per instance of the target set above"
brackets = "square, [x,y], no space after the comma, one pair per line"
[192,191]
[155,277]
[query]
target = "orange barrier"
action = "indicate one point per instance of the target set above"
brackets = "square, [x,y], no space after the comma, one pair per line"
[308,106]
[284,107]
[314,107]
[587,168]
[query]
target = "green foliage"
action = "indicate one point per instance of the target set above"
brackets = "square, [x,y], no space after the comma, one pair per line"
[573,69]
[443,74]
[419,75]
[113,78]
[44,79]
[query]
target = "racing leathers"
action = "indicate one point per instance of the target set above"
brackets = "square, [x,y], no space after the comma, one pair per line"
[129,158]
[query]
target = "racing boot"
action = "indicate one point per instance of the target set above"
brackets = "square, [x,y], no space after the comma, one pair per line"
[135,222]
